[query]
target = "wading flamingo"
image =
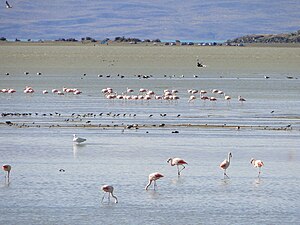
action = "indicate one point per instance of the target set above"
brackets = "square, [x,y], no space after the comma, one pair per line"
[257,164]
[153,177]
[7,169]
[177,162]
[109,189]
[225,164]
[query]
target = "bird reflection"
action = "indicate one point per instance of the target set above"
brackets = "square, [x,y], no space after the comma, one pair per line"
[257,182]
[153,194]
[179,180]
[225,182]
[76,149]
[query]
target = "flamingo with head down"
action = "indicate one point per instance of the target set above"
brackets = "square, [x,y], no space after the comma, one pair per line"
[109,189]
[152,178]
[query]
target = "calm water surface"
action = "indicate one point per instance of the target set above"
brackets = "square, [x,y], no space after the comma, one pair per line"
[39,194]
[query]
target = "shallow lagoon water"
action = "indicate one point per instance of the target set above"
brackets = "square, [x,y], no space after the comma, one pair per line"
[39,194]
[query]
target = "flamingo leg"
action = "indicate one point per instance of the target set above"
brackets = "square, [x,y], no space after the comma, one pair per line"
[116,200]
[102,198]
[258,172]
[183,167]
[146,188]
[178,172]
[154,185]
[225,175]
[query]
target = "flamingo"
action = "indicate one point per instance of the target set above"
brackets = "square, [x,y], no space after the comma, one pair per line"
[129,90]
[177,162]
[109,189]
[192,98]
[257,164]
[212,99]
[225,164]
[153,177]
[11,90]
[7,169]
[78,140]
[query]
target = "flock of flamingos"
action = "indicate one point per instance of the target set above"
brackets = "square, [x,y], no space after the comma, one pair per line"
[153,177]
[143,94]
[168,95]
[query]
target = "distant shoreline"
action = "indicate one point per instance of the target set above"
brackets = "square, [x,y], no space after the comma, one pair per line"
[113,43]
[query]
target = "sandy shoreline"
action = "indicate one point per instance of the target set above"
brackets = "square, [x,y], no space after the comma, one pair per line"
[79,43]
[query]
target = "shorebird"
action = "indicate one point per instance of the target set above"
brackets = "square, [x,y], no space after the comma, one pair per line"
[8,6]
[225,164]
[7,169]
[257,164]
[177,162]
[241,99]
[153,177]
[78,139]
[109,189]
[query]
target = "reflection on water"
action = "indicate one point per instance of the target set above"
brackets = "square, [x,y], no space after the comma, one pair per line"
[178,181]
[257,182]
[77,148]
[153,194]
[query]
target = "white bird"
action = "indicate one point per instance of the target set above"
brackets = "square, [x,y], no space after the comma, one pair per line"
[241,99]
[257,164]
[8,6]
[225,164]
[78,139]
[153,177]
[177,162]
[109,189]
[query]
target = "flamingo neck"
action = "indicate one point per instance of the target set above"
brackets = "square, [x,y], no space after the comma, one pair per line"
[171,162]
[116,200]
[229,158]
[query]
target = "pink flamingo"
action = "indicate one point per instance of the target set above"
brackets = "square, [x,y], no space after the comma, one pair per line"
[129,90]
[109,189]
[257,164]
[7,169]
[192,98]
[178,162]
[153,177]
[227,97]
[212,99]
[225,164]
[28,90]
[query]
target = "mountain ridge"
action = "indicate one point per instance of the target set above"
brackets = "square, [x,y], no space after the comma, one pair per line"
[293,37]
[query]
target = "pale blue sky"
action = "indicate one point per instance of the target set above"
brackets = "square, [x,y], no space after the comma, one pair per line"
[169,19]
